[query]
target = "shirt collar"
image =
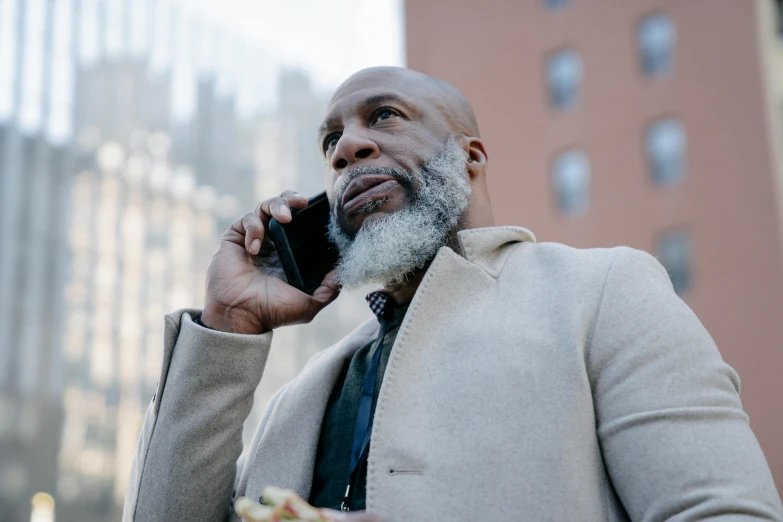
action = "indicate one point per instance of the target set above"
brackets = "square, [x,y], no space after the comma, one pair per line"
[378,301]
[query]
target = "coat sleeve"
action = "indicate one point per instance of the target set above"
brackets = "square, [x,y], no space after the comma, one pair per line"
[675,440]
[186,459]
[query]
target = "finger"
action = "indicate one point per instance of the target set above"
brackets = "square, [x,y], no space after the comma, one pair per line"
[294,199]
[247,231]
[277,208]
[280,207]
[254,232]
[326,293]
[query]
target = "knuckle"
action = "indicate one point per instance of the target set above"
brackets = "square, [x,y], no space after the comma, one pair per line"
[264,205]
[231,235]
[271,204]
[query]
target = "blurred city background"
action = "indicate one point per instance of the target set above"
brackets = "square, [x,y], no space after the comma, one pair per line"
[133,132]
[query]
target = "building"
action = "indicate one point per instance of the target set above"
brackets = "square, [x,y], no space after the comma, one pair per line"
[113,197]
[111,210]
[654,124]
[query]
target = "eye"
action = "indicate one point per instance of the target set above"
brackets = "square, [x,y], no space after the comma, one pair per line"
[384,113]
[331,141]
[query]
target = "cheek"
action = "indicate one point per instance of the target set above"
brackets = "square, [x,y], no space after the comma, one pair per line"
[409,154]
[414,147]
[331,185]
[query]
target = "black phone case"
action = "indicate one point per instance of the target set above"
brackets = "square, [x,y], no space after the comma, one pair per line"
[279,236]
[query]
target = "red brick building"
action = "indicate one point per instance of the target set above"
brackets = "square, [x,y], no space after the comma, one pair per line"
[654,124]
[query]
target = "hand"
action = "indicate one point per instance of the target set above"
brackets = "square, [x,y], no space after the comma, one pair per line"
[247,290]
[286,504]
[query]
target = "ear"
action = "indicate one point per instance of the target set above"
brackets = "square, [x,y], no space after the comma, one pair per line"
[477,156]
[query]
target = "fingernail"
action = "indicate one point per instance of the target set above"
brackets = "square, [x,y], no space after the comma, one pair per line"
[284,210]
[255,246]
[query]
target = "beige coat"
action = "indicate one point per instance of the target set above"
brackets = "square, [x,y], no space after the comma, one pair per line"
[527,382]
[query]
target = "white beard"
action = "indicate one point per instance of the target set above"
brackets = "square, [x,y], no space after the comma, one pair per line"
[386,250]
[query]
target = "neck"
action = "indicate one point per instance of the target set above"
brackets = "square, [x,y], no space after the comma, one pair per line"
[403,293]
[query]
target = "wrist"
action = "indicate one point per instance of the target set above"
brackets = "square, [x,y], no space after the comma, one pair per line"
[231,320]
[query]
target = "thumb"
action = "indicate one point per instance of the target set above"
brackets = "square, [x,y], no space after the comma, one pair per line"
[326,293]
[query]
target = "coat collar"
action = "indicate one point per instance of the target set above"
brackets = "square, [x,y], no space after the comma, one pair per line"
[487,247]
[482,246]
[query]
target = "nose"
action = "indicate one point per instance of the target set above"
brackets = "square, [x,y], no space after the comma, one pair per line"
[352,147]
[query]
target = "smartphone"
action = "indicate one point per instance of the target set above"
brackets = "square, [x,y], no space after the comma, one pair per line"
[303,244]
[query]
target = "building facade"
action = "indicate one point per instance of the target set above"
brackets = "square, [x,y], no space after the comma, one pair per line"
[113,197]
[654,124]
[111,210]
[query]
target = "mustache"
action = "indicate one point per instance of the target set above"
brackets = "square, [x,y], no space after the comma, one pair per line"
[401,175]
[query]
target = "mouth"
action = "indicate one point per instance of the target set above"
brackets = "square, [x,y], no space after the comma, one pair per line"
[367,189]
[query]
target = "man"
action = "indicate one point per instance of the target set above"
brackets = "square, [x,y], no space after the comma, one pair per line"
[503,379]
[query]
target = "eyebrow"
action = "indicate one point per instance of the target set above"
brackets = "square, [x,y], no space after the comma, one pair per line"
[375,99]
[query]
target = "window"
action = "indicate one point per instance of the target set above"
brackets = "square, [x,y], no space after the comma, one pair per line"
[571,182]
[556,4]
[674,253]
[564,79]
[666,151]
[657,40]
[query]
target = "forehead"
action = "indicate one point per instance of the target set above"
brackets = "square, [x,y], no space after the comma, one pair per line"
[361,91]
[358,100]
[400,81]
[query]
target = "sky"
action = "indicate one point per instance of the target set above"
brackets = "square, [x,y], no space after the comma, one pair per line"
[245,41]
[330,38]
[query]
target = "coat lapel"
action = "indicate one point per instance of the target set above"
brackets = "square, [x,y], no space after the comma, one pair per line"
[285,455]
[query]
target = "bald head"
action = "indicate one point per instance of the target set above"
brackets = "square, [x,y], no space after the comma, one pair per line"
[444,97]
